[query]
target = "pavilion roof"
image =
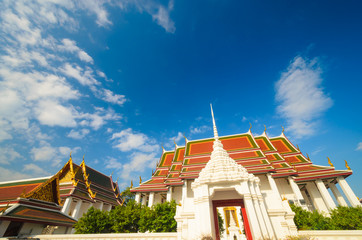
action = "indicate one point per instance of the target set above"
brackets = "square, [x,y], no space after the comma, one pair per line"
[259,155]
[82,181]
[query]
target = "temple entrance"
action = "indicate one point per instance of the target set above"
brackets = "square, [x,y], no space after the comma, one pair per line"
[230,220]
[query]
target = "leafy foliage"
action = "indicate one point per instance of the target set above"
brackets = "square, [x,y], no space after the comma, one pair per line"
[125,218]
[341,218]
[127,195]
[94,221]
[129,218]
[347,218]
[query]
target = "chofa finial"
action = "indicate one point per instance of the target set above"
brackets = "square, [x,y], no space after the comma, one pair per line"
[347,166]
[264,128]
[283,129]
[329,162]
[250,126]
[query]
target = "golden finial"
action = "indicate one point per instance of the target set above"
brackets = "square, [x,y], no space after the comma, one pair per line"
[140,180]
[330,163]
[298,148]
[123,201]
[184,137]
[283,129]
[93,195]
[152,172]
[308,157]
[347,166]
[112,173]
[131,184]
[264,128]
[70,154]
[250,126]
[174,141]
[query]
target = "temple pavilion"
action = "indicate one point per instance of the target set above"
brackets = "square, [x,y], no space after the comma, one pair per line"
[248,180]
[52,205]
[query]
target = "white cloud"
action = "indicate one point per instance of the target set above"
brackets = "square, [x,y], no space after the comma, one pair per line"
[84,76]
[44,153]
[139,163]
[54,114]
[9,175]
[8,155]
[113,163]
[99,118]
[300,96]
[359,146]
[201,129]
[127,140]
[34,170]
[162,17]
[78,134]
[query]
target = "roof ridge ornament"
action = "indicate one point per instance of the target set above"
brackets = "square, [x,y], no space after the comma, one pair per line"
[347,166]
[329,162]
[250,127]
[283,129]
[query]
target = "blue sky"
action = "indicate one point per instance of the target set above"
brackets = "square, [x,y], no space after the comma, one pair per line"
[116,80]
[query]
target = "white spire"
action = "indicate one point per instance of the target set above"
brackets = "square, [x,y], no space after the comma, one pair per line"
[221,167]
[216,135]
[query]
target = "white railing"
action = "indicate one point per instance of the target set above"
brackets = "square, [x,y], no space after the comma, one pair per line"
[333,234]
[108,236]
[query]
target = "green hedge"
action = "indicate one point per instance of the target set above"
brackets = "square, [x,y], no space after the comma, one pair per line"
[341,218]
[129,218]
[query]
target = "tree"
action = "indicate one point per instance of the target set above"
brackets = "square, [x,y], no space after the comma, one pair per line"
[127,195]
[94,221]
[125,219]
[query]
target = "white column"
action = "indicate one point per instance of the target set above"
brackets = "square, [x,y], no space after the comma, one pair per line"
[144,199]
[66,205]
[257,210]
[138,197]
[352,198]
[274,187]
[337,195]
[169,194]
[263,210]
[100,206]
[151,199]
[316,197]
[253,221]
[76,210]
[325,194]
[296,191]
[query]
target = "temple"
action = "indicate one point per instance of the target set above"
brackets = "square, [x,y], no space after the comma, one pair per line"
[248,181]
[52,205]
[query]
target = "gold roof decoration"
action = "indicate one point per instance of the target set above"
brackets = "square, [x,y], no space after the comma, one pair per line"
[347,166]
[329,162]
[72,173]
[250,126]
[298,148]
[283,129]
[308,157]
[140,180]
[87,183]
[131,184]
[264,128]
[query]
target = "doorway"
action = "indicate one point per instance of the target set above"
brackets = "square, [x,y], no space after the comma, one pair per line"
[234,207]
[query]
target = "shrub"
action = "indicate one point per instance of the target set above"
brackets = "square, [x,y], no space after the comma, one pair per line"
[94,221]
[341,218]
